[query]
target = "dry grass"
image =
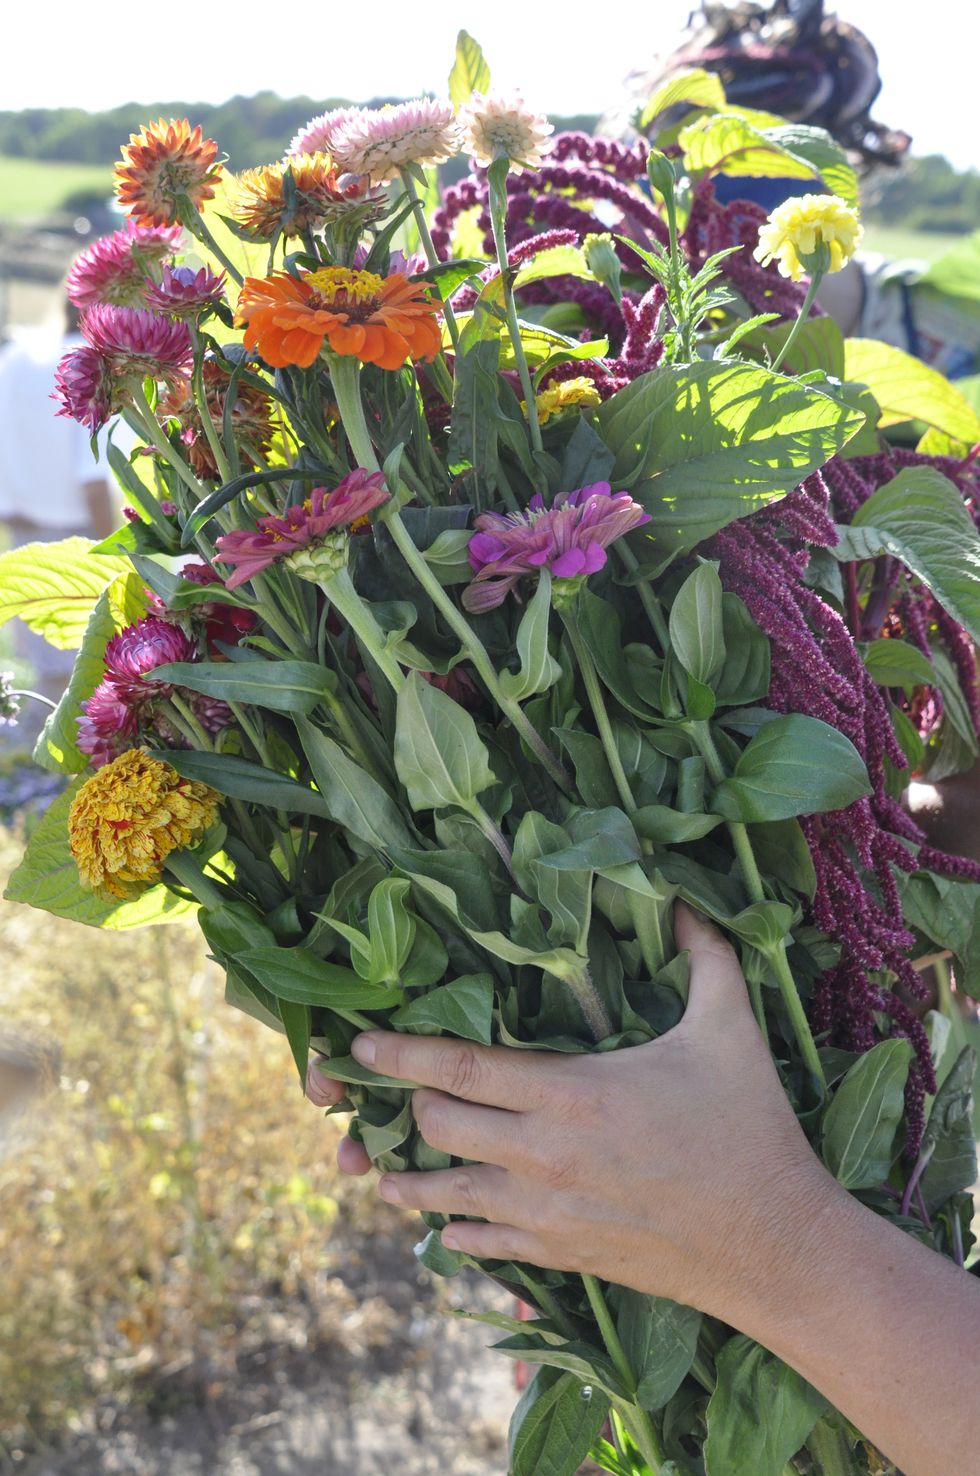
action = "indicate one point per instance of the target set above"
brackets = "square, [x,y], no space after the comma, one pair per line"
[166,1183]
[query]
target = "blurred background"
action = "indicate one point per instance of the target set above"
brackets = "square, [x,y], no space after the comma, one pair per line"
[187,1284]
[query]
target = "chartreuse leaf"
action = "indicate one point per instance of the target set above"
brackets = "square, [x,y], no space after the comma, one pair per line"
[860,1124]
[697,634]
[54,587]
[741,142]
[554,1425]
[907,389]
[760,1413]
[439,755]
[282,686]
[470,72]
[701,444]
[660,1339]
[920,518]
[795,765]
[949,1137]
[47,878]
[539,670]
[463,1007]
[698,88]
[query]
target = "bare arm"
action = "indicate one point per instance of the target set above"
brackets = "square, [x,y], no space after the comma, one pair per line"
[678,1168]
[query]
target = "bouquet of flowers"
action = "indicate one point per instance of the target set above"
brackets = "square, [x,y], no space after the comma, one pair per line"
[500,568]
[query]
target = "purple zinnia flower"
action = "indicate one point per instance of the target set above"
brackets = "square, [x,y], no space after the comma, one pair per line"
[184,293]
[570,538]
[301,527]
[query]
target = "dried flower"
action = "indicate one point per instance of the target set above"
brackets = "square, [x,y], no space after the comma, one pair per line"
[379,320]
[317,137]
[163,164]
[570,538]
[796,230]
[496,125]
[145,644]
[251,418]
[183,292]
[114,268]
[302,531]
[568,394]
[319,195]
[108,724]
[84,386]
[126,819]
[380,141]
[136,343]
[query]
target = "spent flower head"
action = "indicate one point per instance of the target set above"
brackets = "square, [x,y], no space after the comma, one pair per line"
[809,233]
[502,125]
[569,538]
[115,268]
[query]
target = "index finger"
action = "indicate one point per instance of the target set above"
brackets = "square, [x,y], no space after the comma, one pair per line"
[496,1076]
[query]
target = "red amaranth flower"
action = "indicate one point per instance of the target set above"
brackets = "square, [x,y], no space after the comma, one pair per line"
[114,268]
[184,293]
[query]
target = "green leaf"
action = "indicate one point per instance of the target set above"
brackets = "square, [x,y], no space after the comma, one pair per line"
[744,677]
[554,261]
[860,1124]
[763,925]
[282,686]
[733,142]
[439,755]
[47,878]
[593,779]
[539,670]
[949,1135]
[795,765]
[601,838]
[760,1413]
[697,87]
[701,444]
[660,1339]
[447,557]
[893,663]
[554,1425]
[920,518]
[948,912]
[298,975]
[907,389]
[697,635]
[818,345]
[470,72]
[464,1007]
[591,1366]
[956,273]
[238,778]
[54,587]
[820,149]
[353,799]
[672,827]
[296,1023]
[781,850]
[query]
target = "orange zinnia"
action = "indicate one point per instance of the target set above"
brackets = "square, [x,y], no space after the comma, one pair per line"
[161,163]
[379,320]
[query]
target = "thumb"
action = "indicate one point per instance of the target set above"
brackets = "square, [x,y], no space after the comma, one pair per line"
[717,985]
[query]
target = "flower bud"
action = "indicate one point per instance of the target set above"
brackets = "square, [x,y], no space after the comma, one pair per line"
[660,172]
[603,263]
[320,561]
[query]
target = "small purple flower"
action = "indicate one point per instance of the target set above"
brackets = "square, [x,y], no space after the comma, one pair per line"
[184,293]
[569,538]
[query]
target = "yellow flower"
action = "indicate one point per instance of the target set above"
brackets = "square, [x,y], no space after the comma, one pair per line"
[563,396]
[125,821]
[796,230]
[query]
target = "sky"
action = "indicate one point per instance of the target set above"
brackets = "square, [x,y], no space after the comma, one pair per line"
[566,58]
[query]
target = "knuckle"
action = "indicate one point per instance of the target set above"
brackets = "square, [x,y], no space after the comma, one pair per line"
[462,1188]
[462,1071]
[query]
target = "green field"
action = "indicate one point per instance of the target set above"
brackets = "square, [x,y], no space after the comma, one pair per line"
[32,188]
[897,242]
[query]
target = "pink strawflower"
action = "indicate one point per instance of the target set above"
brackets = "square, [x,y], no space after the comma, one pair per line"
[497,124]
[114,268]
[379,142]
[184,293]
[317,136]
[141,647]
[570,538]
[84,386]
[303,530]
[108,724]
[136,342]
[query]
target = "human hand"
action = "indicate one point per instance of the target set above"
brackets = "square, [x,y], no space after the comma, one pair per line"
[673,1167]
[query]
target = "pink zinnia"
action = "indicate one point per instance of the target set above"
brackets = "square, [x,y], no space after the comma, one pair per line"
[569,538]
[136,342]
[114,268]
[302,527]
[184,293]
[84,386]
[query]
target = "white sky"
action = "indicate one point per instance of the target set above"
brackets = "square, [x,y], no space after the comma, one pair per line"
[567,57]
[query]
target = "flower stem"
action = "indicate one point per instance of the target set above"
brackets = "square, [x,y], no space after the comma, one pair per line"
[174,460]
[636,1419]
[811,293]
[201,400]
[339,590]
[194,221]
[598,704]
[34,696]
[648,599]
[428,247]
[193,727]
[498,217]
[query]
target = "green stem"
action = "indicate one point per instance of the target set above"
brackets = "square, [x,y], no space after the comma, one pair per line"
[192,727]
[339,590]
[498,217]
[830,1449]
[493,834]
[598,704]
[195,223]
[648,599]
[428,247]
[811,293]
[201,400]
[637,1420]
[151,425]
[34,696]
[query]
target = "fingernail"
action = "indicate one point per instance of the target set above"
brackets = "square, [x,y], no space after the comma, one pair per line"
[389,1189]
[450,1240]
[364,1050]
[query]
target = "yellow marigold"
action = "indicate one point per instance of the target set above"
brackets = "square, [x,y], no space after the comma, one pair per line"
[564,396]
[319,197]
[125,821]
[161,163]
[797,229]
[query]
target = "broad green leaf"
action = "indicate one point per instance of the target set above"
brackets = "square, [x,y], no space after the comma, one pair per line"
[298,975]
[795,765]
[593,779]
[464,1007]
[702,444]
[296,1023]
[439,755]
[818,345]
[860,1124]
[820,149]
[893,663]
[698,88]
[470,72]
[956,273]
[760,1413]
[391,928]
[601,838]
[447,557]
[948,912]
[238,778]
[742,143]
[949,1135]
[660,1339]
[47,878]
[554,1425]
[781,850]
[353,799]
[538,670]
[763,925]
[907,389]
[282,686]
[388,1132]
[54,587]
[920,518]
[744,677]
[672,827]
[591,1366]
[697,634]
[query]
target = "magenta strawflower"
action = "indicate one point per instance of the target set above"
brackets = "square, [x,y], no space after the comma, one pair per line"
[114,269]
[108,724]
[84,386]
[136,342]
[146,644]
[570,538]
[303,532]
[184,293]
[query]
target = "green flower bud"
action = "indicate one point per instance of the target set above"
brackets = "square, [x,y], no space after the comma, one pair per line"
[603,263]
[320,561]
[565,592]
[660,172]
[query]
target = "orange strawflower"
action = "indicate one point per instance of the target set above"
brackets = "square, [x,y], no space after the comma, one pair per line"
[261,204]
[379,320]
[161,163]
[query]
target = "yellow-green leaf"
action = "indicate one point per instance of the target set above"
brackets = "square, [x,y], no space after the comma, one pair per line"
[470,72]
[907,389]
[54,587]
